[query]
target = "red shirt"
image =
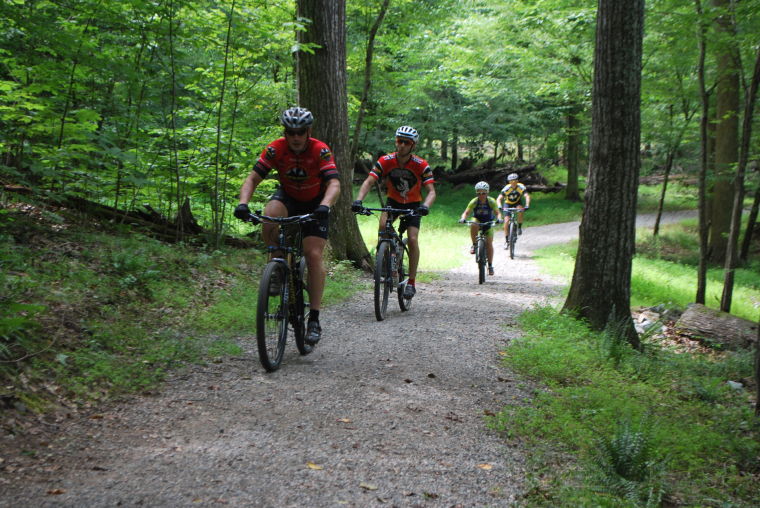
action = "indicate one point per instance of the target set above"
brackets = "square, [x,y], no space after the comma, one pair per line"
[404,183]
[302,175]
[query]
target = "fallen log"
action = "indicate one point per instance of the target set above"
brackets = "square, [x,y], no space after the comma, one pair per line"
[716,329]
[147,221]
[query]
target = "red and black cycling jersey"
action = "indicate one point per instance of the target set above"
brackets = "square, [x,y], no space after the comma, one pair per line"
[302,175]
[404,183]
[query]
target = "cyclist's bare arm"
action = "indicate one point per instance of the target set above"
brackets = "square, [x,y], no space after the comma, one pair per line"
[331,192]
[249,185]
[365,187]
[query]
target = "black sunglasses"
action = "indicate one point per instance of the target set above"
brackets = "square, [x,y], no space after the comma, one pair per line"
[404,141]
[296,132]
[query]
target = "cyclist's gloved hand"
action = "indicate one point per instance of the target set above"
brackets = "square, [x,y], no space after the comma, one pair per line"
[462,221]
[242,211]
[499,221]
[321,212]
[422,210]
[357,206]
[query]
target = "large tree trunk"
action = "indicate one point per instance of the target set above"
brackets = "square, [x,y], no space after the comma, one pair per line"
[736,211]
[322,89]
[726,134]
[573,153]
[704,151]
[600,289]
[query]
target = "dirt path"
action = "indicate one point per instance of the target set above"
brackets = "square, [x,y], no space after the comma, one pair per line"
[381,414]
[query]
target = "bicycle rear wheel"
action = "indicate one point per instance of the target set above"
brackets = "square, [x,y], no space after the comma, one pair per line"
[300,308]
[480,256]
[271,315]
[512,239]
[383,279]
[404,303]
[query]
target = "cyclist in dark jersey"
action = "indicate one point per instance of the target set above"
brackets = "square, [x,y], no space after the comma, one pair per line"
[309,183]
[405,175]
[485,210]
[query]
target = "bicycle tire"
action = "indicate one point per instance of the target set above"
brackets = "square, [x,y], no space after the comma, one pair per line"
[481,257]
[512,239]
[300,309]
[404,303]
[271,316]
[382,276]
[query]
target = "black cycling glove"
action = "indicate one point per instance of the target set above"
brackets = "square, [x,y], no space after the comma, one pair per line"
[321,212]
[357,206]
[423,210]
[242,212]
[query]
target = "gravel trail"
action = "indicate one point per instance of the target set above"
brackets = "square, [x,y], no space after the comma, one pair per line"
[384,413]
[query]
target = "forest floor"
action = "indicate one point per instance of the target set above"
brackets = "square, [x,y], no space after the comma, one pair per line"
[387,413]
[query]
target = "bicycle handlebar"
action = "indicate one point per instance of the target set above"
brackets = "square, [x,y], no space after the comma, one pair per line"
[507,209]
[294,219]
[400,211]
[488,223]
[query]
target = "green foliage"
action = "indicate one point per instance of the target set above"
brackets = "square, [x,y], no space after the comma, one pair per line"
[629,465]
[630,431]
[114,311]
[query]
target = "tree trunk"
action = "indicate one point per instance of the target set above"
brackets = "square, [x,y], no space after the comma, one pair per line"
[327,100]
[454,150]
[726,134]
[703,135]
[600,289]
[736,211]
[573,153]
[744,255]
[367,80]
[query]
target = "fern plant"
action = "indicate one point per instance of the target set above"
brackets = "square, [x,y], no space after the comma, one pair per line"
[630,466]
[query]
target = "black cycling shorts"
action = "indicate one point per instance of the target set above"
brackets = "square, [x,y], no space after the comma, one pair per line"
[406,220]
[316,227]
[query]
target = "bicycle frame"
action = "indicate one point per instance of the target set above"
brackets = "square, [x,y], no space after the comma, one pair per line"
[389,261]
[284,303]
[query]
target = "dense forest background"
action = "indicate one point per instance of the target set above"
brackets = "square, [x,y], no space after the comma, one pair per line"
[169,102]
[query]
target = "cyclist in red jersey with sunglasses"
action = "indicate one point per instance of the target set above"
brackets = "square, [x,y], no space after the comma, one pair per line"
[309,183]
[405,175]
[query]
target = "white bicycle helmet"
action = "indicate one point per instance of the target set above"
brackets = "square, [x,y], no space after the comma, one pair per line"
[482,186]
[512,176]
[296,118]
[407,132]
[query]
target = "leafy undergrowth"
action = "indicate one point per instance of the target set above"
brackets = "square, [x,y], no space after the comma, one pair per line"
[92,311]
[615,427]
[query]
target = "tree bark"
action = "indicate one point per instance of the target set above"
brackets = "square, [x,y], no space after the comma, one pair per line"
[573,153]
[703,135]
[736,211]
[600,289]
[322,89]
[726,134]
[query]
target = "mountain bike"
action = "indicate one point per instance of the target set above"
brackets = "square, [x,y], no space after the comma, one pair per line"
[511,236]
[481,244]
[283,292]
[390,262]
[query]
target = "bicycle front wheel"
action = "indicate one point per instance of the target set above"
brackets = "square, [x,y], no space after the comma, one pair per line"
[512,239]
[271,315]
[300,308]
[404,303]
[480,255]
[383,279]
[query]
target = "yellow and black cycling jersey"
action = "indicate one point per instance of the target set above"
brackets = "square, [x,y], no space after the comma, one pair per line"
[513,195]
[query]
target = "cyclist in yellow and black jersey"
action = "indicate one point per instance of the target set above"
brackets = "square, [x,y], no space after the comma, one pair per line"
[512,196]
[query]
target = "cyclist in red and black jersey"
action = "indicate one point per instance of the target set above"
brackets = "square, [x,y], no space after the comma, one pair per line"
[309,183]
[405,174]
